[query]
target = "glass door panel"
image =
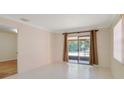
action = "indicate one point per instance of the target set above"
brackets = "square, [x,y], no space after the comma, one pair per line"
[84,49]
[73,49]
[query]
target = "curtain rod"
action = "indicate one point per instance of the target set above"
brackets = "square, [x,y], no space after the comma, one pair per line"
[79,32]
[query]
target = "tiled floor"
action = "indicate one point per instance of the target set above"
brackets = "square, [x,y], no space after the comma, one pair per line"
[66,71]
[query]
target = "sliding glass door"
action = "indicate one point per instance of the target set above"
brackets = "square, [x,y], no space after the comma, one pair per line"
[78,49]
[73,49]
[84,49]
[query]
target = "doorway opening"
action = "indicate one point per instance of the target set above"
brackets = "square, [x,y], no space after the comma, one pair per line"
[79,49]
[8,50]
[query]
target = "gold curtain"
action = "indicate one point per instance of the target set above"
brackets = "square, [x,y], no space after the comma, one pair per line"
[65,53]
[93,48]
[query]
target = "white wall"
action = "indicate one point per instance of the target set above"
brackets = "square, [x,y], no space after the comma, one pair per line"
[103,37]
[57,47]
[8,46]
[103,44]
[34,47]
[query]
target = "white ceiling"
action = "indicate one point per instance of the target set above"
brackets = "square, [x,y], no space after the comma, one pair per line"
[66,22]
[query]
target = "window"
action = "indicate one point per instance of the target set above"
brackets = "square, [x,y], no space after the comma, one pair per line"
[118,42]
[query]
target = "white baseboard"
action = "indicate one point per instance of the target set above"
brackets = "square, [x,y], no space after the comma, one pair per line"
[4,60]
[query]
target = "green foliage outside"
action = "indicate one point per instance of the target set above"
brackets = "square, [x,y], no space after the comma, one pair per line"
[83,44]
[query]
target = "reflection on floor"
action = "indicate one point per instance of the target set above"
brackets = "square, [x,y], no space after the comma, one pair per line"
[80,62]
[65,71]
[8,68]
